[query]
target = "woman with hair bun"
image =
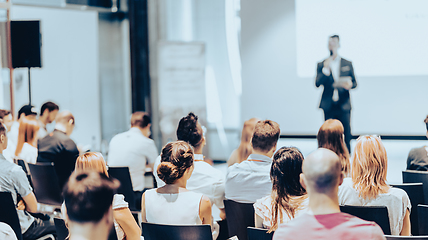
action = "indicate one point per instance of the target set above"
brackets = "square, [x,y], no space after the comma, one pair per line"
[173,203]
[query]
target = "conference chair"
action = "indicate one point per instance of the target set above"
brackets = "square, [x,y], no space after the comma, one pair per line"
[224,232]
[239,216]
[152,231]
[45,184]
[391,237]
[24,167]
[377,214]
[62,230]
[416,196]
[122,174]
[412,176]
[9,216]
[259,234]
[423,218]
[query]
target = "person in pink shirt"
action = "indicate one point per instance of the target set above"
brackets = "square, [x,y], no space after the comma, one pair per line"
[321,177]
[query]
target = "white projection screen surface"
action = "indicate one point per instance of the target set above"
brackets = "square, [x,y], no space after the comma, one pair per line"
[381,37]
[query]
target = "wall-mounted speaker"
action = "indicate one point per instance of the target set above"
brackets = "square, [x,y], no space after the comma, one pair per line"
[26,44]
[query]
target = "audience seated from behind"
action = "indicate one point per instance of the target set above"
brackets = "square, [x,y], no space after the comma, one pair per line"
[6,117]
[58,148]
[367,185]
[173,203]
[88,198]
[205,179]
[249,180]
[14,180]
[25,111]
[418,157]
[244,150]
[124,223]
[48,113]
[135,150]
[26,148]
[321,177]
[288,198]
[331,136]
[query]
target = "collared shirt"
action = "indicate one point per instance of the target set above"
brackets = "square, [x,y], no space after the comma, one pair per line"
[335,68]
[205,179]
[42,130]
[133,150]
[249,180]
[14,180]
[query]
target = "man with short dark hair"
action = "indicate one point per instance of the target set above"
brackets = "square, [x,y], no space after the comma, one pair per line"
[135,150]
[321,176]
[250,180]
[48,113]
[59,148]
[14,180]
[88,198]
[418,157]
[337,76]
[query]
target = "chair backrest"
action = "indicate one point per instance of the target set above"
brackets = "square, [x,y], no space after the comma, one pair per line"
[377,214]
[62,230]
[390,237]
[239,216]
[411,176]
[415,193]
[24,167]
[259,234]
[152,231]
[8,213]
[45,183]
[122,174]
[422,218]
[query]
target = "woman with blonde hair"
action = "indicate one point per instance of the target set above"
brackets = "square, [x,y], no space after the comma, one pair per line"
[245,148]
[367,185]
[26,148]
[331,136]
[124,223]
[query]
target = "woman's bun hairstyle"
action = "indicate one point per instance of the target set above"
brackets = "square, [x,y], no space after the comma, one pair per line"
[189,131]
[176,158]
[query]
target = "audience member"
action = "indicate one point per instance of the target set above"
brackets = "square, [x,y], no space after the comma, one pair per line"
[367,185]
[124,222]
[57,147]
[205,179]
[26,148]
[330,136]
[88,198]
[48,113]
[135,150]
[321,177]
[418,157]
[244,150]
[6,117]
[249,180]
[173,203]
[14,180]
[25,111]
[288,198]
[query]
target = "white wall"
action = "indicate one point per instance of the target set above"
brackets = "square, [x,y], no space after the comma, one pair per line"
[69,74]
[272,89]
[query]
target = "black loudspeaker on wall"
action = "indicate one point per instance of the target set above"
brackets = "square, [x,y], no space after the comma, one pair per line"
[26,44]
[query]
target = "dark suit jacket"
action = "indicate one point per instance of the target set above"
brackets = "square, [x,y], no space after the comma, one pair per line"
[346,70]
[58,148]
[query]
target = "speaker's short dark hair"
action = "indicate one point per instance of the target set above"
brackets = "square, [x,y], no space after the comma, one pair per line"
[266,134]
[50,106]
[140,119]
[335,36]
[88,196]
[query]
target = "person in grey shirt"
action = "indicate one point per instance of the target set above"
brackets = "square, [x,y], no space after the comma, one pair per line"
[14,180]
[418,157]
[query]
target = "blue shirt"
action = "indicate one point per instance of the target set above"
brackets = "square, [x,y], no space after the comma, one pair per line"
[249,180]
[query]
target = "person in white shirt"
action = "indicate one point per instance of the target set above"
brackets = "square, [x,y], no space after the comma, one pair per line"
[6,117]
[135,150]
[48,113]
[205,178]
[26,148]
[250,180]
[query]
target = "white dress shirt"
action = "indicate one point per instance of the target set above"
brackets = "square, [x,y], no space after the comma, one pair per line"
[205,179]
[335,71]
[28,153]
[249,180]
[133,150]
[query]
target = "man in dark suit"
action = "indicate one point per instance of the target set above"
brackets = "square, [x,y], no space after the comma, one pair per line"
[336,74]
[57,147]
